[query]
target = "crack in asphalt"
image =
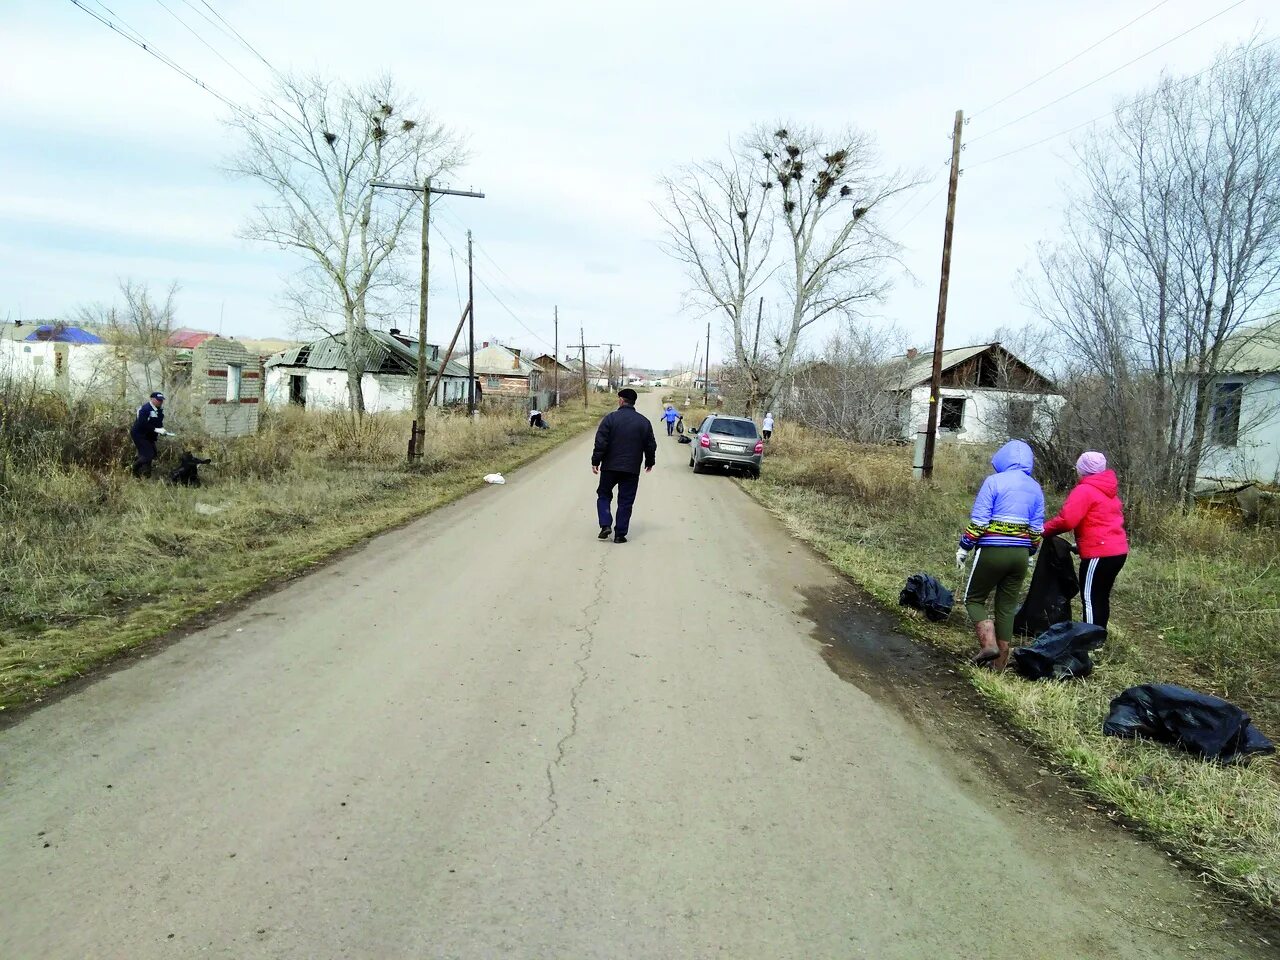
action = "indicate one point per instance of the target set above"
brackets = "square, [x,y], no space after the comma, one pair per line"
[592,612]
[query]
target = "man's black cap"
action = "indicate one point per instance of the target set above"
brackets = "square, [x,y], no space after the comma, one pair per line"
[629,395]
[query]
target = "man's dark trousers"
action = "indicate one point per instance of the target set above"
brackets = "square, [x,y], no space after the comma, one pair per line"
[627,484]
[146,454]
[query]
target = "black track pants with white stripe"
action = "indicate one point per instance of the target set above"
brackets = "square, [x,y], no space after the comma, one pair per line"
[1097,577]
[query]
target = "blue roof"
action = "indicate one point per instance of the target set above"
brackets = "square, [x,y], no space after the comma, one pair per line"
[48,332]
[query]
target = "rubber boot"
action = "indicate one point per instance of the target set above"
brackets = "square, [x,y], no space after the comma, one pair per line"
[987,644]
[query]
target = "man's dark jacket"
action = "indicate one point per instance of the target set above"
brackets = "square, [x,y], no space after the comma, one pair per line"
[144,426]
[624,440]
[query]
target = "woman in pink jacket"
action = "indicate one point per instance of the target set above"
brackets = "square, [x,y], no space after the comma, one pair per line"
[1094,513]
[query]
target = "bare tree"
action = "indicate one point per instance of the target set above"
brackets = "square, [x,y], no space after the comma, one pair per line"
[720,226]
[850,389]
[838,259]
[821,194]
[138,329]
[317,146]
[1172,248]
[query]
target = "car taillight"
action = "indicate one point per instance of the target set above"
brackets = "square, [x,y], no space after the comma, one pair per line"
[704,440]
[759,446]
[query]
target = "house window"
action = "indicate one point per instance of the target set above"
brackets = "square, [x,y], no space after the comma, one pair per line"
[951,416]
[233,381]
[492,382]
[1224,415]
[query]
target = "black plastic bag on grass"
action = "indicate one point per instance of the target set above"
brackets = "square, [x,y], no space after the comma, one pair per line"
[924,593]
[1201,724]
[1061,652]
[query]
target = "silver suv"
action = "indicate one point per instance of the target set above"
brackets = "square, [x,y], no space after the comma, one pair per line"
[729,442]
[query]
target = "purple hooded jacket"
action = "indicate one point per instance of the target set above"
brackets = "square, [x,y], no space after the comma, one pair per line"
[1009,508]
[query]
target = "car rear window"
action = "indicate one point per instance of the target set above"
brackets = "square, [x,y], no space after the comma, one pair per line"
[734,428]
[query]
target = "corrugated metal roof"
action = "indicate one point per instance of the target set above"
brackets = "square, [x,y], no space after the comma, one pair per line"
[501,361]
[920,369]
[383,353]
[184,338]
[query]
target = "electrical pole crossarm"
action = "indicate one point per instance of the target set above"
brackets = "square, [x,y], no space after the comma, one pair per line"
[417,188]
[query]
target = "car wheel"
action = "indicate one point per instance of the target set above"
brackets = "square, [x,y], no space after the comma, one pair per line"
[754,473]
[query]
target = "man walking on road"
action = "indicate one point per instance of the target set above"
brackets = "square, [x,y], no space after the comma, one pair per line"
[624,440]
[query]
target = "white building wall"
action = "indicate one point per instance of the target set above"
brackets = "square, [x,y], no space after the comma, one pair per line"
[985,413]
[327,389]
[85,366]
[1256,455]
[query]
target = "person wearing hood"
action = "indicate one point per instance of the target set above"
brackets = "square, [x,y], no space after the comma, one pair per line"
[1004,532]
[671,415]
[1094,514]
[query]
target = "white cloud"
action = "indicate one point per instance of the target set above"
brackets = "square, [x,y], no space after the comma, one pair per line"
[573,110]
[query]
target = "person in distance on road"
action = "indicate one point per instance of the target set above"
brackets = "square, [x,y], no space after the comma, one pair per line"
[624,440]
[1005,525]
[146,425]
[671,416]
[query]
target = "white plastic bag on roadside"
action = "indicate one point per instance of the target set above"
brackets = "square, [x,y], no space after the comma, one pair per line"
[494,478]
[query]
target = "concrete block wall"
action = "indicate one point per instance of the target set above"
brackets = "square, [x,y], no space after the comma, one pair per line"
[217,413]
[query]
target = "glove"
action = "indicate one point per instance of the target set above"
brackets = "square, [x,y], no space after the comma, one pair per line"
[162,431]
[961,555]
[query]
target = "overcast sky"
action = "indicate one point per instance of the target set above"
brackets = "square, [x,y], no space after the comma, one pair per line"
[111,161]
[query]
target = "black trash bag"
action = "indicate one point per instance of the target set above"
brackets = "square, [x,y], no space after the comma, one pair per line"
[1198,723]
[924,593]
[1053,584]
[1061,652]
[685,439]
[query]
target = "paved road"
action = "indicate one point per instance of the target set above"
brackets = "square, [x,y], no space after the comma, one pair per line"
[488,735]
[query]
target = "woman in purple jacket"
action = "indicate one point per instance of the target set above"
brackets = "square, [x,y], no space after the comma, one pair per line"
[1004,532]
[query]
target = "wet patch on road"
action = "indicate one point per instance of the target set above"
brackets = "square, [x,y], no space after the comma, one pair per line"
[862,644]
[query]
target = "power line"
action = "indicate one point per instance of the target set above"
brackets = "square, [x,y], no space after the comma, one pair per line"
[211,21]
[1110,73]
[1112,113]
[927,204]
[239,36]
[1067,63]
[512,285]
[216,52]
[497,299]
[140,42]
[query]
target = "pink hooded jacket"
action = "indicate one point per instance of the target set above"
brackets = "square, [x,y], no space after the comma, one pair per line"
[1094,512]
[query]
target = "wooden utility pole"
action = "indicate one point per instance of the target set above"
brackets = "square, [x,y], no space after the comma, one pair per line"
[583,345]
[420,388]
[582,342]
[609,367]
[555,368]
[420,398]
[755,345]
[706,376]
[448,354]
[935,381]
[471,332]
